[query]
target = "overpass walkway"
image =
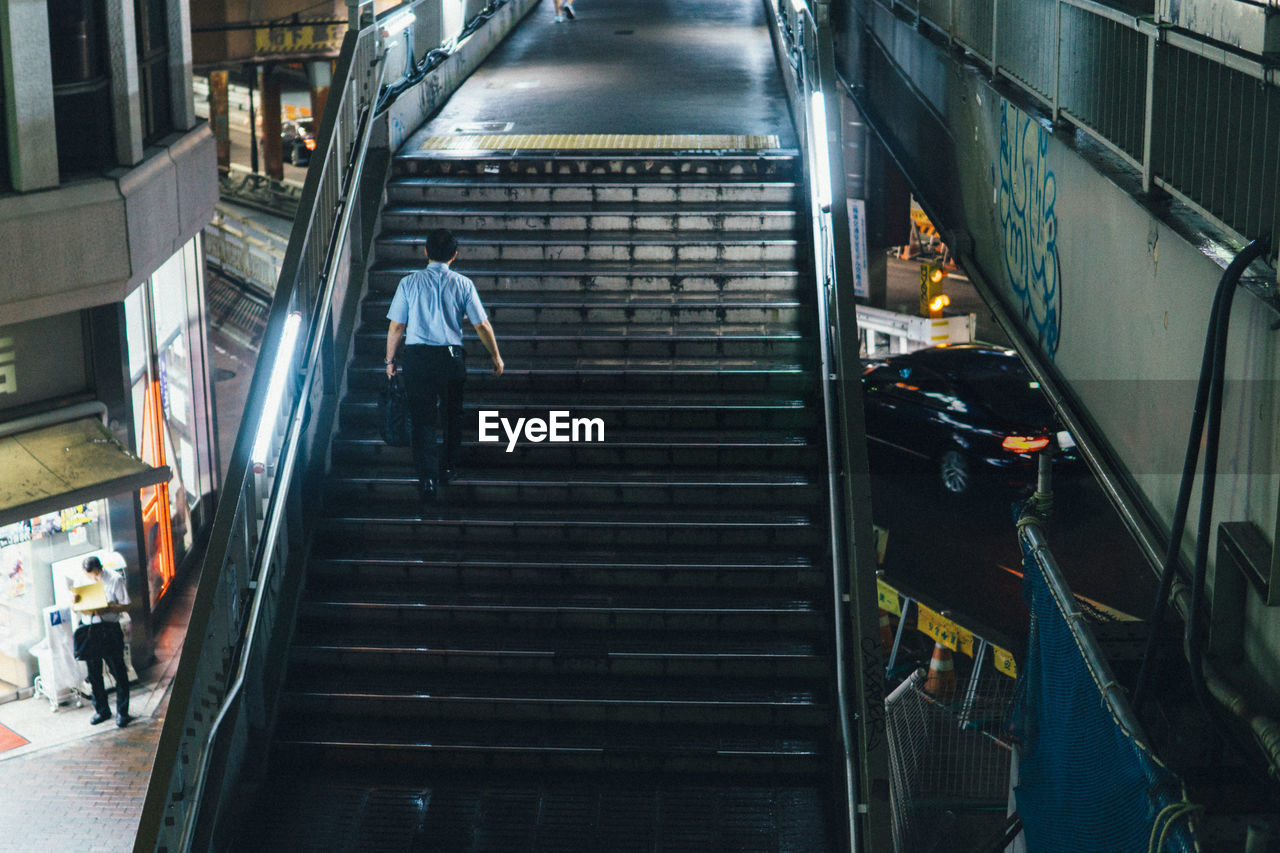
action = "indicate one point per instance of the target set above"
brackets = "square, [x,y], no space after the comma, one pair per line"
[620,645]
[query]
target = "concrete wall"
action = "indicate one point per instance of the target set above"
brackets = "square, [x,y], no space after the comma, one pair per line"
[1114,291]
[412,108]
[90,243]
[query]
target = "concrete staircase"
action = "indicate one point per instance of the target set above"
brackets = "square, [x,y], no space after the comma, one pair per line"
[595,646]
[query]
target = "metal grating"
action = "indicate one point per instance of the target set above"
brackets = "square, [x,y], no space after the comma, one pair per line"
[936,12]
[1216,139]
[602,142]
[973,20]
[1026,32]
[1103,80]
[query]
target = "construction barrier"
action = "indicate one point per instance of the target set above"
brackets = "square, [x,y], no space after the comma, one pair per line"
[1087,780]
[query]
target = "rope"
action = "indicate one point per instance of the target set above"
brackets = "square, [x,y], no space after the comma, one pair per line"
[1169,815]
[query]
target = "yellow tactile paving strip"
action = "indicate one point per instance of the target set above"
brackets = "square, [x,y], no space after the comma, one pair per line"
[600,142]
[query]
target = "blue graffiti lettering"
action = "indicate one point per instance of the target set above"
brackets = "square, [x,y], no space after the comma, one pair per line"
[1028,191]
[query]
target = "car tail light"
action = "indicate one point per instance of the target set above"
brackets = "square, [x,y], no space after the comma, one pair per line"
[1025,443]
[309,143]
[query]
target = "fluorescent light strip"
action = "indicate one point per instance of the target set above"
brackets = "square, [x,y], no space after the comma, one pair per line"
[822,156]
[275,390]
[398,23]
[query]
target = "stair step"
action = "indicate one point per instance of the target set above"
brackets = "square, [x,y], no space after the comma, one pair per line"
[504,810]
[599,277]
[622,375]
[658,166]
[584,487]
[337,561]
[441,190]
[621,413]
[581,698]
[617,525]
[574,308]
[408,606]
[547,745]
[598,340]
[755,449]
[619,653]
[620,245]
[512,217]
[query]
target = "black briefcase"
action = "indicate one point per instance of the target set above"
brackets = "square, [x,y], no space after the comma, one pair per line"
[397,430]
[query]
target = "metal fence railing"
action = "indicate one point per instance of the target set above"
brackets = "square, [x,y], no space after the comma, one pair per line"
[244,249]
[259,512]
[812,89]
[1191,116]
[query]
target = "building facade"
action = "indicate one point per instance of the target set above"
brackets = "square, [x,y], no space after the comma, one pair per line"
[106,424]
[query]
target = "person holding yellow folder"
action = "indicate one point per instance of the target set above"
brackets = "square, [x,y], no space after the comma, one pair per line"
[99,604]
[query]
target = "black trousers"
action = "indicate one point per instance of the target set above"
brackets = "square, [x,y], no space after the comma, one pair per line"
[433,379]
[109,649]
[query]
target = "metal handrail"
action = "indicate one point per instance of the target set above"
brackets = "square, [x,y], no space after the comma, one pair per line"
[263,566]
[803,41]
[242,558]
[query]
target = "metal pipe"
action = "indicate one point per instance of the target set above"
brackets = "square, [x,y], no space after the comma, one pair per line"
[56,416]
[1113,694]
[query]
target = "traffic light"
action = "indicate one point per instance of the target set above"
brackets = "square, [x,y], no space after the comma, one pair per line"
[932,299]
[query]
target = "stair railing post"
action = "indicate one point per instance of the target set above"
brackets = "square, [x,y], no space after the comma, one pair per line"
[859,665]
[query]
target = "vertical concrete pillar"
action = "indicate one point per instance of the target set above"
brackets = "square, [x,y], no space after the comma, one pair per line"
[181,95]
[122,59]
[272,152]
[319,75]
[219,118]
[110,366]
[870,175]
[27,95]
[253,120]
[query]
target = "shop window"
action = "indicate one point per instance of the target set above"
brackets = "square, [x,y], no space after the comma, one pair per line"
[153,68]
[37,556]
[167,390]
[81,85]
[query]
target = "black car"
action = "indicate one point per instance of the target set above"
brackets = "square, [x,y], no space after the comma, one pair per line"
[297,141]
[970,411]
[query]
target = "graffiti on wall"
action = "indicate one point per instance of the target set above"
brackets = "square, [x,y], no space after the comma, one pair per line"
[1025,202]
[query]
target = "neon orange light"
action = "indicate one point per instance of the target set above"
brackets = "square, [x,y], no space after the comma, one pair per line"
[155,499]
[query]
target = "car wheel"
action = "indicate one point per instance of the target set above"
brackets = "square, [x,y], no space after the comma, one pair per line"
[953,469]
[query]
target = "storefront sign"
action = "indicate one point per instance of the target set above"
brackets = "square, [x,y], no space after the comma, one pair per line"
[858,246]
[303,37]
[8,370]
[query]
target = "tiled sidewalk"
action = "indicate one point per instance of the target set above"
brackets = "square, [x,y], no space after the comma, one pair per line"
[80,787]
[83,795]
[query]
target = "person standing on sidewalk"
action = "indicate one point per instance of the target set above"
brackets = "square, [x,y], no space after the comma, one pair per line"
[427,313]
[106,644]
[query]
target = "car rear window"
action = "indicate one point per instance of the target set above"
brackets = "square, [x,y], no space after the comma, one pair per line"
[1003,386]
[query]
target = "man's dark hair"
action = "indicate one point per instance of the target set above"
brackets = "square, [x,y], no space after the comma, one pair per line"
[92,564]
[441,245]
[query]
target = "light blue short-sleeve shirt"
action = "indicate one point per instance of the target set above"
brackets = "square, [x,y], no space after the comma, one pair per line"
[433,302]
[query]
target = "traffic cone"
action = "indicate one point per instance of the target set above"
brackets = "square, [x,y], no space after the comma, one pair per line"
[886,632]
[941,680]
